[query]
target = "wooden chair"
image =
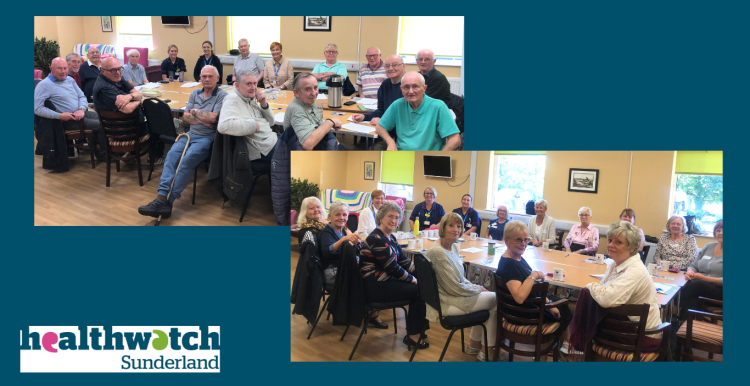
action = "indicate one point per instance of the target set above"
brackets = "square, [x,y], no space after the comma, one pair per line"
[533,331]
[702,331]
[616,328]
[82,134]
[123,133]
[428,289]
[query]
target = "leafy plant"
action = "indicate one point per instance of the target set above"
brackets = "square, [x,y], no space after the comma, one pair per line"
[301,190]
[44,51]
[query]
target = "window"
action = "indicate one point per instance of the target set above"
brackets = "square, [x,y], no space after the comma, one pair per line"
[517,179]
[444,35]
[260,32]
[397,173]
[699,190]
[134,31]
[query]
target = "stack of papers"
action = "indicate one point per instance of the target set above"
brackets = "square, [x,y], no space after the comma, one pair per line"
[664,288]
[472,250]
[366,101]
[350,120]
[278,118]
[359,128]
[371,107]
[190,84]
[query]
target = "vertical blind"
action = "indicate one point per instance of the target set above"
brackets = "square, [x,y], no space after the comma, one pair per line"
[700,162]
[260,32]
[397,168]
[134,25]
[444,35]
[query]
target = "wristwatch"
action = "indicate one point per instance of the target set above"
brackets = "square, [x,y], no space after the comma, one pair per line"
[82,109]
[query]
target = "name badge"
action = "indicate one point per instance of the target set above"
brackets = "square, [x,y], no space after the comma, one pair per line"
[426,222]
[707,257]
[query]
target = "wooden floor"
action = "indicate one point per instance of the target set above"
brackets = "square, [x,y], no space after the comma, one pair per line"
[379,345]
[80,197]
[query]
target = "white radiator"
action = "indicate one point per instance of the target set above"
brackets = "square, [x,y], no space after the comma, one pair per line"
[455,85]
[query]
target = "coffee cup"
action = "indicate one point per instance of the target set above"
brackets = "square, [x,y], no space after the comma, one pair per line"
[418,243]
[433,233]
[665,265]
[652,269]
[545,245]
[558,274]
[599,258]
[422,233]
[410,244]
[473,235]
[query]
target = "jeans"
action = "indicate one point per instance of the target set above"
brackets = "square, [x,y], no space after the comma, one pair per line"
[197,152]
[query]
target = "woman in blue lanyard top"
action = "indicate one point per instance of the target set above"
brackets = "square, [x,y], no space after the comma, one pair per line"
[278,72]
[428,213]
[469,216]
[367,222]
[172,65]
[207,58]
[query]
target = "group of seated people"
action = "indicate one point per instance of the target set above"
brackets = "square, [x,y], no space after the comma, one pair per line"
[389,275]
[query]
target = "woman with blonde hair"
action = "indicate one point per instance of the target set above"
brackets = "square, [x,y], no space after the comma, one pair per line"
[426,214]
[458,296]
[312,217]
[172,65]
[541,227]
[676,246]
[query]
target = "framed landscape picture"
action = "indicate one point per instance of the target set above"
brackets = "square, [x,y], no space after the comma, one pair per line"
[317,23]
[583,180]
[369,170]
[106,23]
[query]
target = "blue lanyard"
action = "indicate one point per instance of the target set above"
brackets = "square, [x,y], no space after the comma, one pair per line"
[426,212]
[276,70]
[464,217]
[209,61]
[176,69]
[372,209]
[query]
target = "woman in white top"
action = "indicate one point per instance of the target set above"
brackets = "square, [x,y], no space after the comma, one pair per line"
[541,227]
[367,222]
[626,280]
[458,296]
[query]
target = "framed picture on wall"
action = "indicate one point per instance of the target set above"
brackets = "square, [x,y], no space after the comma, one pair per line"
[369,170]
[106,23]
[316,23]
[583,180]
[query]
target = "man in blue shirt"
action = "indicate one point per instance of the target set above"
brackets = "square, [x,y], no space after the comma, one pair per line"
[422,123]
[331,66]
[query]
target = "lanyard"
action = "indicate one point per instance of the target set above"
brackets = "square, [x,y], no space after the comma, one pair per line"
[276,70]
[209,61]
[372,209]
[426,212]
[176,63]
[464,217]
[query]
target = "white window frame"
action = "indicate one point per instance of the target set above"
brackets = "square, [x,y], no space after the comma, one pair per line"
[493,167]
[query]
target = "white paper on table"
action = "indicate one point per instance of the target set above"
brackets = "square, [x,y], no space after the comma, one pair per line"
[359,128]
[150,85]
[367,101]
[600,277]
[190,84]
[183,107]
[371,107]
[663,288]
[321,96]
[350,120]
[278,118]
[472,250]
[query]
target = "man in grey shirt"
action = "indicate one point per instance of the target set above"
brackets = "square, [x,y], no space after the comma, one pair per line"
[71,105]
[247,61]
[304,117]
[133,72]
[202,113]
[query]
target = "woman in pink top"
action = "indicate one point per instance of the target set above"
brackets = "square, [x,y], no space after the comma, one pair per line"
[583,238]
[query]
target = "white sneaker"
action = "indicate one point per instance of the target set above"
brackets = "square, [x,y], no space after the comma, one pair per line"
[472,351]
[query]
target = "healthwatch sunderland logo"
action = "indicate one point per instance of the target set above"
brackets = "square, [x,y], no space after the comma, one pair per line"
[120,349]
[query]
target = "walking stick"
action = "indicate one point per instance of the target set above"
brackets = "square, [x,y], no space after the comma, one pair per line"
[158,220]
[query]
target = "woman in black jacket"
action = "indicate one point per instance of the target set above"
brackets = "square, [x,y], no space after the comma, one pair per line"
[207,58]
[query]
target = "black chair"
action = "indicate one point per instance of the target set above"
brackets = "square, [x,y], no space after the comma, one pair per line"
[327,290]
[259,168]
[644,253]
[160,122]
[458,109]
[428,289]
[348,88]
[559,237]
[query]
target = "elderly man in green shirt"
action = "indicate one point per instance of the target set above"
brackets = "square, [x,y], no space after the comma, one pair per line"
[421,122]
[331,66]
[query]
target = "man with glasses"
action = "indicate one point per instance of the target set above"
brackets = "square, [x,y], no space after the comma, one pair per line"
[112,93]
[69,102]
[90,70]
[331,66]
[247,61]
[371,75]
[421,122]
[437,84]
[388,92]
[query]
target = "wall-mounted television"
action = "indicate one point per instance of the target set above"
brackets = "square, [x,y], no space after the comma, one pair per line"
[437,166]
[175,20]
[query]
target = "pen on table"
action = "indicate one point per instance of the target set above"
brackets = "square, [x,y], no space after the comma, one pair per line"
[338,114]
[275,108]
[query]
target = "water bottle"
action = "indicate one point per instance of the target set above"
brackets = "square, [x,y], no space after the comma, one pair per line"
[182,76]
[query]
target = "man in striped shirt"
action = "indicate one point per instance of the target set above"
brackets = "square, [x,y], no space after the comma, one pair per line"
[371,75]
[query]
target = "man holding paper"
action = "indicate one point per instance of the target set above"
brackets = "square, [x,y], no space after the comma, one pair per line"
[422,123]
[389,92]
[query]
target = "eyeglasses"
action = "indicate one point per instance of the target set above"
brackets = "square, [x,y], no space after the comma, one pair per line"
[424,60]
[408,87]
[429,194]
[331,52]
[522,241]
[372,56]
[114,70]
[584,215]
[394,65]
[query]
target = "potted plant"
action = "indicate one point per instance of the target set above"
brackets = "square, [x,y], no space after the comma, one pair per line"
[302,189]
[44,51]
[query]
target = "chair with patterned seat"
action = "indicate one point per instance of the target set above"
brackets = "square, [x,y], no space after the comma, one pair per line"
[533,331]
[124,138]
[702,331]
[619,339]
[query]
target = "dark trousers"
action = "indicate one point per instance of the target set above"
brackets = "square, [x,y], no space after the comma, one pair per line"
[394,290]
[695,289]
[90,122]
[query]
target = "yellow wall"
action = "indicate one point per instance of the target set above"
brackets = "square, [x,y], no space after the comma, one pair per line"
[306,165]
[449,197]
[355,171]
[92,31]
[66,30]
[46,26]
[188,42]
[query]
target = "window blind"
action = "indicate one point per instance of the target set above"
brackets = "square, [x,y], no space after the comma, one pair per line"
[260,32]
[444,35]
[700,162]
[397,168]
[134,25]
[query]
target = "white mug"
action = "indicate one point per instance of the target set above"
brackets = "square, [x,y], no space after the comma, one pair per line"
[418,244]
[434,233]
[473,235]
[665,265]
[410,244]
[545,245]
[422,234]
[558,274]
[599,258]
[400,235]
[652,269]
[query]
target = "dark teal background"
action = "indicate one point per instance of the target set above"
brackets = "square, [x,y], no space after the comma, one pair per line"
[546,75]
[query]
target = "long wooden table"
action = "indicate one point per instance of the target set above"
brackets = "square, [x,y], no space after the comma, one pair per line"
[578,272]
[179,96]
